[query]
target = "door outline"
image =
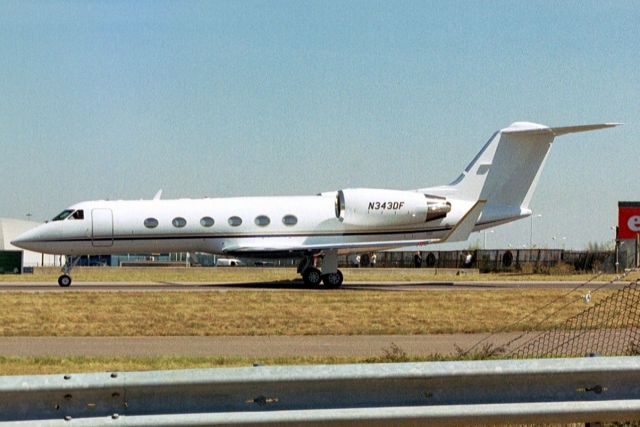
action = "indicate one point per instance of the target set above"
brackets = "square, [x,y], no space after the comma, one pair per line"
[102,235]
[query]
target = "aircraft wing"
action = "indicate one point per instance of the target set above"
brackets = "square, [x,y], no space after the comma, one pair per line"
[341,247]
[459,233]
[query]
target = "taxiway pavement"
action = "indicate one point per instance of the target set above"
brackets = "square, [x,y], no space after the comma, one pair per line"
[245,346]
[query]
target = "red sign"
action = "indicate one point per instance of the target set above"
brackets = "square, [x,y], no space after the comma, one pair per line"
[628,222]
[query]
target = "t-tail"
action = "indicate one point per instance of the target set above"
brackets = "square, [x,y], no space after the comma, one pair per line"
[506,171]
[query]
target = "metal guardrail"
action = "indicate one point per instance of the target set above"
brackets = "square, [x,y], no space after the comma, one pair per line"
[445,393]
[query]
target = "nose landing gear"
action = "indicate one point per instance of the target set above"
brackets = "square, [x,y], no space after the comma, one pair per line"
[65,279]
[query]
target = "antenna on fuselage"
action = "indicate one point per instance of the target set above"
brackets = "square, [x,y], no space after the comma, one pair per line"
[158,195]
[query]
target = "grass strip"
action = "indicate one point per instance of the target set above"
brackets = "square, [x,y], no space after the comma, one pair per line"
[282,313]
[64,365]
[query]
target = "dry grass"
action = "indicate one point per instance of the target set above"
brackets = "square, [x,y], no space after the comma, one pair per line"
[279,313]
[60,365]
[257,274]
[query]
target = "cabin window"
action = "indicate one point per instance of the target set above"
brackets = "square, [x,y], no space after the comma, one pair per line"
[151,223]
[262,220]
[179,222]
[79,214]
[289,220]
[235,221]
[206,221]
[62,215]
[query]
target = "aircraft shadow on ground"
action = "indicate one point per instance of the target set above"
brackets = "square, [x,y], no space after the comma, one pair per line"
[298,285]
[276,284]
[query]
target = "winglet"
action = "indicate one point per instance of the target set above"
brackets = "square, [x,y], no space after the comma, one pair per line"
[465,226]
[158,195]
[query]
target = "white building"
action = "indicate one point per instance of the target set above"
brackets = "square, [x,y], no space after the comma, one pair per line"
[10,229]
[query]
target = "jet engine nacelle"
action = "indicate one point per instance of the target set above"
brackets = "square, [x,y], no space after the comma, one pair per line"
[373,207]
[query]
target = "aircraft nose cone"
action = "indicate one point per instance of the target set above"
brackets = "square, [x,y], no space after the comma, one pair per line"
[28,240]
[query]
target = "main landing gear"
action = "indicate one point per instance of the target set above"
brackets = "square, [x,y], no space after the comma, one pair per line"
[330,276]
[65,279]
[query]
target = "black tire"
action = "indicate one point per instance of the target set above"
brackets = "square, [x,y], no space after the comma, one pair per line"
[332,280]
[312,277]
[431,260]
[507,259]
[365,260]
[64,281]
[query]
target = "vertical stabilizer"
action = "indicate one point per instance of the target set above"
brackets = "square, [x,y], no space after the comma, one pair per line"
[507,169]
[517,164]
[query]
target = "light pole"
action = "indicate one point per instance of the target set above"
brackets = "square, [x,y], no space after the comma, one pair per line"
[562,239]
[616,243]
[484,246]
[531,230]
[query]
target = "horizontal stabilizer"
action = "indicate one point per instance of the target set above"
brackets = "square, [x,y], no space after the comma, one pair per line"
[536,129]
[465,226]
[583,128]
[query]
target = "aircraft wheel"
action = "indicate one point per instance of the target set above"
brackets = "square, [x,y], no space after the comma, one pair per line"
[64,281]
[333,280]
[312,277]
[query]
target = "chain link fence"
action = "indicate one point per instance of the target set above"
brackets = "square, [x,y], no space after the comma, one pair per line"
[496,260]
[608,328]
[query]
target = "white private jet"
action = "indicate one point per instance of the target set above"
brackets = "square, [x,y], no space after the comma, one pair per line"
[494,189]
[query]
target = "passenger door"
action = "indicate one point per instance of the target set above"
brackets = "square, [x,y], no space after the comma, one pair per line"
[101,227]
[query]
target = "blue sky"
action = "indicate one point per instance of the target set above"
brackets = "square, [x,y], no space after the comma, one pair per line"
[119,99]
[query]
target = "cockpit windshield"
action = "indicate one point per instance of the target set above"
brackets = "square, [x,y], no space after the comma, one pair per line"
[69,213]
[63,215]
[79,214]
